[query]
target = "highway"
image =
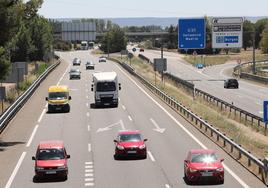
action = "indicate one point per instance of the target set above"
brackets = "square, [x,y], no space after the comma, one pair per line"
[248,97]
[88,134]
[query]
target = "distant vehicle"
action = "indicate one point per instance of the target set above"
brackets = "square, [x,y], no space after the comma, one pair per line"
[231,83]
[102,59]
[51,160]
[91,45]
[76,61]
[75,73]
[105,86]
[134,49]
[200,66]
[58,98]
[141,50]
[203,164]
[84,45]
[90,65]
[130,143]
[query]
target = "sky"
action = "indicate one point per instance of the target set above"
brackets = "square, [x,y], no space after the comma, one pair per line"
[151,8]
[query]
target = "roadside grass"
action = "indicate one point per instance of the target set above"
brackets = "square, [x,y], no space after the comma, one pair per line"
[208,60]
[222,120]
[14,92]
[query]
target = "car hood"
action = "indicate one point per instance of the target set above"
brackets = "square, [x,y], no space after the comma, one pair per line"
[131,144]
[206,166]
[51,163]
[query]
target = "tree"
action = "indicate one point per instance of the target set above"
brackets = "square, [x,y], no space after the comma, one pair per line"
[41,34]
[248,29]
[4,63]
[264,40]
[114,40]
[259,27]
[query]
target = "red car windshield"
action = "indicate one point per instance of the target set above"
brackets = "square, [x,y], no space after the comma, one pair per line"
[203,157]
[50,154]
[130,137]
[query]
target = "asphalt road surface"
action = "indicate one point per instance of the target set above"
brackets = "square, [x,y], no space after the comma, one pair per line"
[89,141]
[248,97]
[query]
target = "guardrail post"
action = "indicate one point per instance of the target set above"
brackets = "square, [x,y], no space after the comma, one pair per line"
[265,129]
[239,153]
[249,161]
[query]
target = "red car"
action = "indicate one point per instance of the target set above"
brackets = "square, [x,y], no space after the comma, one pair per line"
[203,164]
[51,160]
[130,143]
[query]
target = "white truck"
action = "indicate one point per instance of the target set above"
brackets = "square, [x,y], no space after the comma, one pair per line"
[84,45]
[105,87]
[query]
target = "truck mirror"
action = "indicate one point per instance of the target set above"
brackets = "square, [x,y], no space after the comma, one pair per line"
[46,98]
[119,86]
[91,87]
[70,97]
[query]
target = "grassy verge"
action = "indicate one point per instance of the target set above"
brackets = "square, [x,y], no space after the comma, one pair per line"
[244,56]
[206,110]
[16,91]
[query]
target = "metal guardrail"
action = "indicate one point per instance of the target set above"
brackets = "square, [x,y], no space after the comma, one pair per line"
[11,111]
[223,141]
[219,102]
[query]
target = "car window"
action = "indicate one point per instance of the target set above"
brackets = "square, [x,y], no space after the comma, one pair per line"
[203,158]
[129,137]
[57,95]
[50,154]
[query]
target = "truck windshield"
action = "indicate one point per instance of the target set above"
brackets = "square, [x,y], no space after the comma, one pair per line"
[106,86]
[57,95]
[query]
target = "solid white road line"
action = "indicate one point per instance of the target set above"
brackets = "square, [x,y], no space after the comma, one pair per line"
[32,136]
[260,112]
[89,184]
[124,108]
[15,170]
[89,170]
[89,179]
[151,156]
[167,186]
[129,117]
[182,127]
[41,116]
[89,175]
[89,147]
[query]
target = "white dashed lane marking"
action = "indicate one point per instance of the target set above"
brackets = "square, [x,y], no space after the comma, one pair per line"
[151,156]
[129,117]
[124,108]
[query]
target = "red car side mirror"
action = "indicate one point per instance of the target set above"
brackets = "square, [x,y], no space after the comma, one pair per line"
[222,159]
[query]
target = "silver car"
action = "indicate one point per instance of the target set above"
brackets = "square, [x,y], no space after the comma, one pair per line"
[90,65]
[75,74]
[76,61]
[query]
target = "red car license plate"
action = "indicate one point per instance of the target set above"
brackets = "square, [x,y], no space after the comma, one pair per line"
[132,152]
[207,174]
[51,172]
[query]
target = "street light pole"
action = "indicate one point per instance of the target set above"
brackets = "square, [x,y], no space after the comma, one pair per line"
[254,60]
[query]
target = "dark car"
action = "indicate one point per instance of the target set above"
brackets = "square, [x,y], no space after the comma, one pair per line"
[203,165]
[76,61]
[51,160]
[141,50]
[130,143]
[231,83]
[90,65]
[75,73]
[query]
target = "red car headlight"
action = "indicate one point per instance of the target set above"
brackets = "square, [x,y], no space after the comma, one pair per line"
[120,147]
[193,170]
[142,146]
[219,169]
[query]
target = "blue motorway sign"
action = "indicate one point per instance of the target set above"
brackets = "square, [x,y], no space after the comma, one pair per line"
[192,33]
[265,111]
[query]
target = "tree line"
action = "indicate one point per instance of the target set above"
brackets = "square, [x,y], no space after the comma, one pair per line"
[24,35]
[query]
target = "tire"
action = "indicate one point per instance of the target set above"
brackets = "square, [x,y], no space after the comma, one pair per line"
[67,109]
[221,181]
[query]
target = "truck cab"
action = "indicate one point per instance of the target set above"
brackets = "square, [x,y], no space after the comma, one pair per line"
[58,98]
[105,87]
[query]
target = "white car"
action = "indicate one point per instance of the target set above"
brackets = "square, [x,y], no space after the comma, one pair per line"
[102,59]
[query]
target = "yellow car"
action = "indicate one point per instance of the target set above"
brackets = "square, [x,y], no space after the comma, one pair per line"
[58,98]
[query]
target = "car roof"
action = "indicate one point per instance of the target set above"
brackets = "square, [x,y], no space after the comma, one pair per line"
[202,151]
[51,144]
[74,70]
[60,88]
[129,132]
